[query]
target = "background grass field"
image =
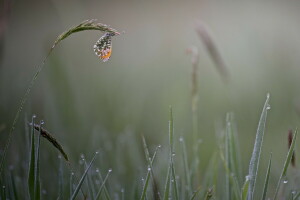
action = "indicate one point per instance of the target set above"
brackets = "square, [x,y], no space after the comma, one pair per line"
[90,106]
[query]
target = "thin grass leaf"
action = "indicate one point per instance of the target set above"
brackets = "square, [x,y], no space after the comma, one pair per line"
[186,166]
[227,164]
[85,25]
[254,162]
[31,174]
[234,150]
[149,170]
[82,178]
[3,194]
[71,183]
[286,163]
[105,189]
[171,141]
[267,179]
[167,185]
[245,189]
[232,181]
[209,194]
[46,134]
[297,196]
[150,162]
[37,185]
[90,184]
[102,185]
[195,194]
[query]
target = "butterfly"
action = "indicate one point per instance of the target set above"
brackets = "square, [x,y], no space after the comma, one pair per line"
[102,48]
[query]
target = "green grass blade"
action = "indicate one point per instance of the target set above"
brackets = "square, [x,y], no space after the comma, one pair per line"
[171,141]
[82,178]
[209,194]
[30,180]
[254,162]
[245,189]
[90,184]
[3,194]
[102,185]
[101,179]
[71,183]
[195,194]
[174,180]
[186,166]
[37,186]
[267,179]
[227,163]
[167,185]
[149,170]
[286,163]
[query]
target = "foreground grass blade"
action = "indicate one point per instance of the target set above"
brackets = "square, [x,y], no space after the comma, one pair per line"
[52,140]
[102,185]
[30,180]
[149,171]
[195,194]
[245,189]
[186,166]
[82,178]
[167,186]
[37,186]
[101,179]
[209,194]
[286,163]
[254,162]
[267,179]
[83,26]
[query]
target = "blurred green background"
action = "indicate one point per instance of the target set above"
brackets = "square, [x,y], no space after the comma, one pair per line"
[89,105]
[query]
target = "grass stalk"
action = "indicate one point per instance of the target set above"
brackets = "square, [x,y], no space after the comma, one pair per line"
[254,162]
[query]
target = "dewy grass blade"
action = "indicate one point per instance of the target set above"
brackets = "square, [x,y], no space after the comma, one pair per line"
[195,194]
[85,25]
[286,163]
[149,170]
[101,179]
[167,185]
[245,189]
[254,162]
[186,166]
[31,162]
[102,185]
[91,188]
[171,141]
[82,178]
[267,179]
[37,186]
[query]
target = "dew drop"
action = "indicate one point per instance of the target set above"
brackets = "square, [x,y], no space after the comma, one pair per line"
[42,122]
[34,116]
[247,177]
[72,174]
[180,139]
[59,156]
[268,107]
[285,181]
[110,170]
[173,154]
[149,168]
[159,146]
[97,170]
[97,152]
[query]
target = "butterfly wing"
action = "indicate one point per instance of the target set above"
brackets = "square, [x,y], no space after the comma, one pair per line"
[103,47]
